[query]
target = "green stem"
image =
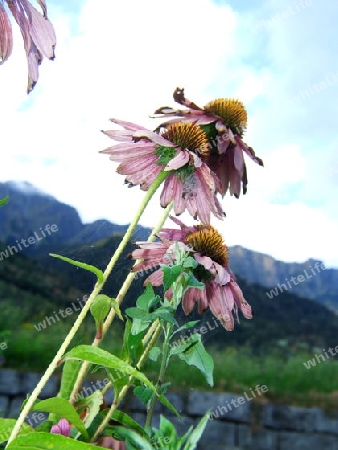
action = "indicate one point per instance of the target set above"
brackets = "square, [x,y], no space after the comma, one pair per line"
[156,330]
[98,286]
[124,289]
[163,368]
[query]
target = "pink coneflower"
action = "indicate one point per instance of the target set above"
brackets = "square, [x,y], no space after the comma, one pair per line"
[190,183]
[224,120]
[62,427]
[37,32]
[221,293]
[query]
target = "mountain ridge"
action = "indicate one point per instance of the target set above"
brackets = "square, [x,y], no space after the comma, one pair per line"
[28,208]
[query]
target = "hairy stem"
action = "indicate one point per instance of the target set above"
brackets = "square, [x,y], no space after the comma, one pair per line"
[156,330]
[83,313]
[109,319]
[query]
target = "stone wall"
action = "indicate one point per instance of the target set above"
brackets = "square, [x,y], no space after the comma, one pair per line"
[250,425]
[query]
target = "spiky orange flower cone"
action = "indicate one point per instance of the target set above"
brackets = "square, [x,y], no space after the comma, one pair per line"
[221,292]
[224,120]
[189,183]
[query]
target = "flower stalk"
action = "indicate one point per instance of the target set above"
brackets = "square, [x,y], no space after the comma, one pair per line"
[97,288]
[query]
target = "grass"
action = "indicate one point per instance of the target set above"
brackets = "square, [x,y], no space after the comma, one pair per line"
[236,369]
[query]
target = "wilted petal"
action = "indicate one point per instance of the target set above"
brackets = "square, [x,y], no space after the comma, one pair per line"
[240,300]
[42,33]
[6,37]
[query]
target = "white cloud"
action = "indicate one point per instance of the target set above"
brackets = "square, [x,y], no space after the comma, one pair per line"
[124,59]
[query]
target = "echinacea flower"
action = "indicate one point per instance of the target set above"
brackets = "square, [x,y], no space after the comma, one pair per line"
[143,155]
[62,427]
[224,120]
[37,32]
[221,293]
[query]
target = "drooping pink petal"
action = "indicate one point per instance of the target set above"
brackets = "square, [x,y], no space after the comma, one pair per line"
[240,300]
[156,278]
[219,307]
[6,36]
[42,33]
[189,300]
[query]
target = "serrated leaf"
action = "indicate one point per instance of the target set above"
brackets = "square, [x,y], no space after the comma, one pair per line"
[197,356]
[195,436]
[47,441]
[64,409]
[7,425]
[106,359]
[82,265]
[4,201]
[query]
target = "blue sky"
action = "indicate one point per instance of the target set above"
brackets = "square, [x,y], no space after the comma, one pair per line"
[124,60]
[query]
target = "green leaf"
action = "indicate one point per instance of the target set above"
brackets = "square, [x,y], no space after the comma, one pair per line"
[185,345]
[197,356]
[192,281]
[47,441]
[139,441]
[165,314]
[100,307]
[84,266]
[195,436]
[190,262]
[117,378]
[99,310]
[143,393]
[154,353]
[170,275]
[137,313]
[146,298]
[168,404]
[106,359]
[4,201]
[186,326]
[92,404]
[70,372]
[7,425]
[127,421]
[116,307]
[64,409]
[135,346]
[138,326]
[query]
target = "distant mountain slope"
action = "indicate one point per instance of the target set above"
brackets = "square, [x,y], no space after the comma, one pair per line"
[318,284]
[30,291]
[30,210]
